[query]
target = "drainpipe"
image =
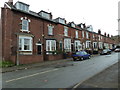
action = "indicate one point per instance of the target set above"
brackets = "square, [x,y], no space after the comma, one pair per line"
[43,42]
[17,60]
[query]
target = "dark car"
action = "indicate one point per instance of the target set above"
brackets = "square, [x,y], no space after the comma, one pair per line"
[105,52]
[81,55]
[117,50]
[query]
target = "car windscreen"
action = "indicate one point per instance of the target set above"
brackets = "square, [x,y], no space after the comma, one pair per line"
[81,53]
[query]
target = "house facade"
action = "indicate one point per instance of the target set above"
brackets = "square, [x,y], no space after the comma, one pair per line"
[29,37]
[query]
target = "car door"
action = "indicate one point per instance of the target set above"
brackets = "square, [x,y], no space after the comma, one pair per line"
[85,55]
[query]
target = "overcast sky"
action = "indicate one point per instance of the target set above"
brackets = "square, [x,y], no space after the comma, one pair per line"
[101,14]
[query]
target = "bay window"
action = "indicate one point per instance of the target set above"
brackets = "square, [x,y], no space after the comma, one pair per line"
[25,43]
[67,45]
[78,45]
[88,44]
[50,45]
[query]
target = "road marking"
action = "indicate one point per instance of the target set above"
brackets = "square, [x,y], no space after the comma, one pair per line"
[30,75]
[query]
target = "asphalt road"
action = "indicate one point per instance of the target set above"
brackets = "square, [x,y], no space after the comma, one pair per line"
[58,76]
[105,79]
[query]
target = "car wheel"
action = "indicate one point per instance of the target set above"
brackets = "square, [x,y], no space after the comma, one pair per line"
[74,59]
[89,57]
[81,58]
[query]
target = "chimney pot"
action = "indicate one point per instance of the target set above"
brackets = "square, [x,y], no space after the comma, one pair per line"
[10,2]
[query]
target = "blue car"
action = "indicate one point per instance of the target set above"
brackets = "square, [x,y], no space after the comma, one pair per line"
[81,55]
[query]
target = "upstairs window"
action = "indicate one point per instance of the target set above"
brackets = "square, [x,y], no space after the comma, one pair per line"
[45,14]
[87,35]
[76,32]
[83,34]
[73,25]
[60,20]
[22,6]
[50,29]
[25,25]
[65,31]
[93,36]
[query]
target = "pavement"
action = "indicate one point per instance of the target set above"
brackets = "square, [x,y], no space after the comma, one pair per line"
[35,65]
[40,64]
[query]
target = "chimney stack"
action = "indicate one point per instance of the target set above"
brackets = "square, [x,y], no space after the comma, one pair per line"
[99,31]
[10,2]
[105,33]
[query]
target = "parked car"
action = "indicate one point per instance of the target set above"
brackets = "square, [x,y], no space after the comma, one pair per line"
[105,52]
[80,55]
[117,50]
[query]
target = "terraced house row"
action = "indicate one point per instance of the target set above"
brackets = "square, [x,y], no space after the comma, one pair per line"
[29,37]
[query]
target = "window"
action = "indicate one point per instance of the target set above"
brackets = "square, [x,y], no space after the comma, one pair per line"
[60,45]
[50,30]
[78,45]
[25,25]
[25,43]
[94,44]
[50,45]
[99,37]
[76,34]
[87,36]
[73,25]
[83,34]
[88,43]
[67,45]
[93,36]
[101,45]
[66,31]
[21,6]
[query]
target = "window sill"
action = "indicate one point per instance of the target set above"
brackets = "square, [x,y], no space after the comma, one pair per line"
[25,31]
[50,35]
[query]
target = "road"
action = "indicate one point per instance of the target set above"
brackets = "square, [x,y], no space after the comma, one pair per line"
[58,76]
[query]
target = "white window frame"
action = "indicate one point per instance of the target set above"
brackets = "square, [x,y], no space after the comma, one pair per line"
[22,38]
[50,29]
[101,45]
[73,25]
[88,44]
[67,45]
[87,36]
[99,37]
[65,31]
[78,45]
[51,42]
[27,25]
[93,36]
[76,34]
[83,35]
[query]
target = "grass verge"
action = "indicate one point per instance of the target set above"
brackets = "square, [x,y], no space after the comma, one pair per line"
[6,64]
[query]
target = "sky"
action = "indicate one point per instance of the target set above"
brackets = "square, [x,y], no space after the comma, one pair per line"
[101,14]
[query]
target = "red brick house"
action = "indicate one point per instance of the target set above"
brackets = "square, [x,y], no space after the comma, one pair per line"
[29,37]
